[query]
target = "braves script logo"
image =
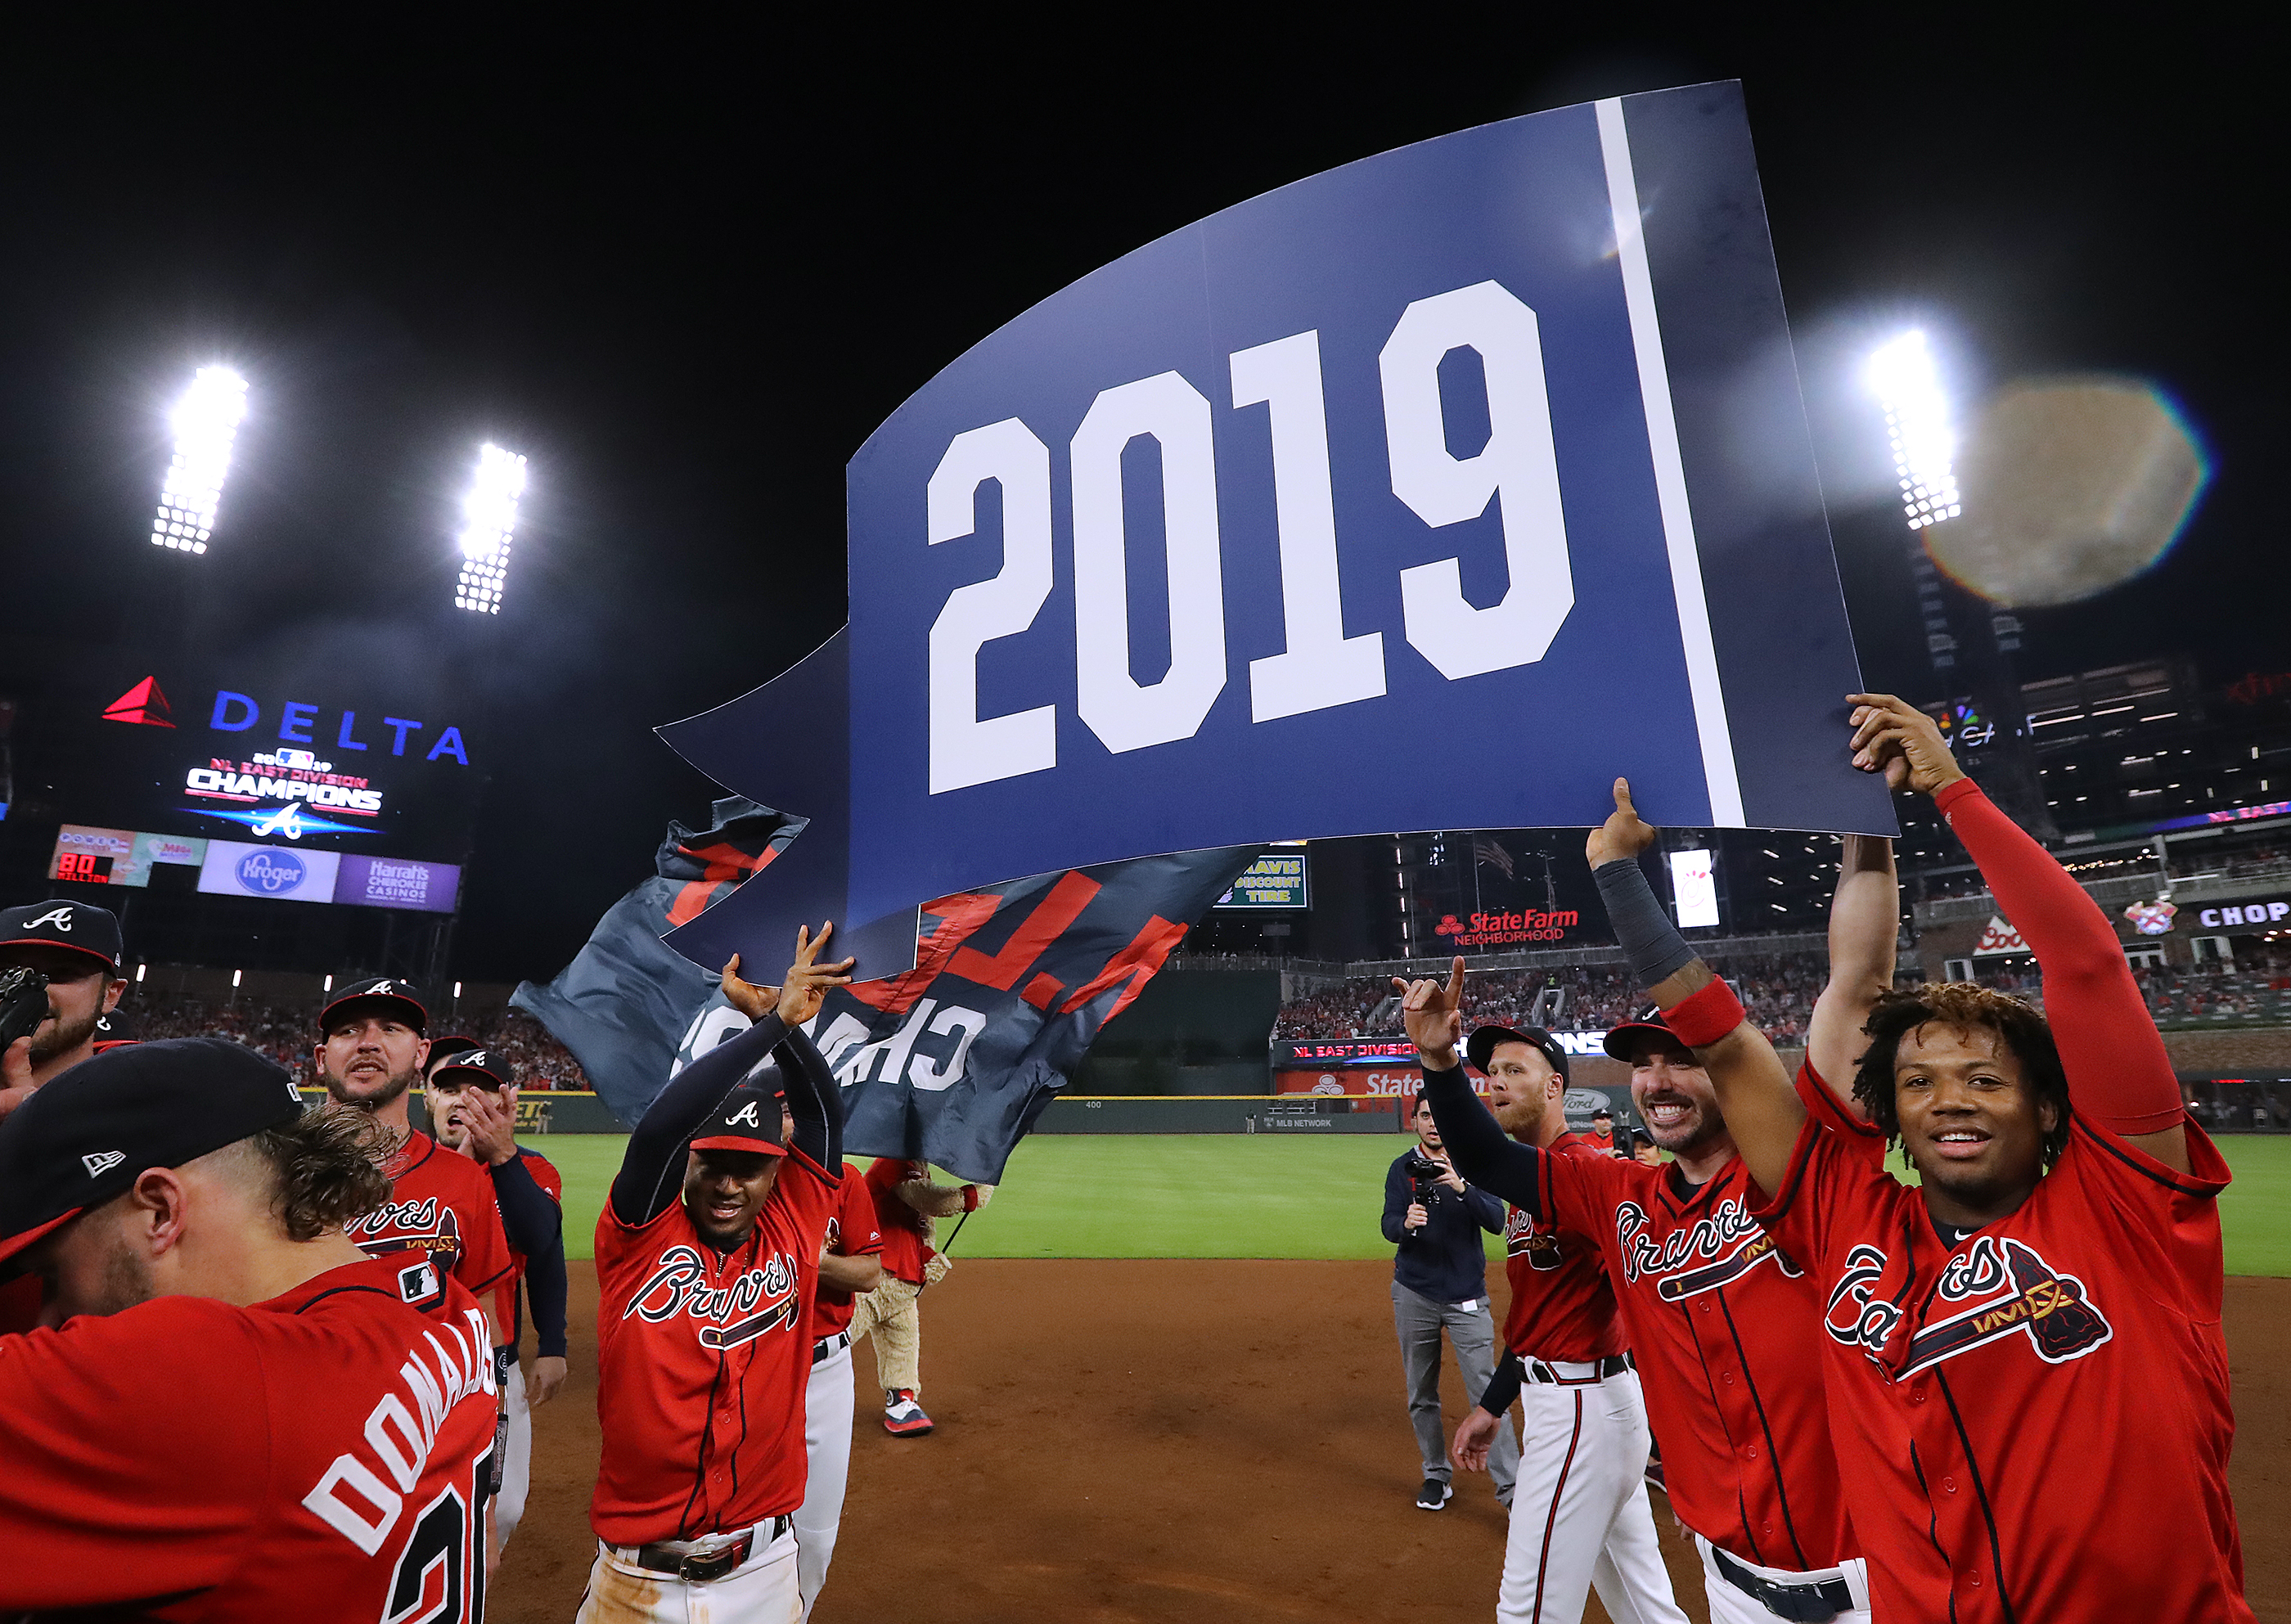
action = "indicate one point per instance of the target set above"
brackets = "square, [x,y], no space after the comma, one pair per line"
[2009,1289]
[741,1310]
[1727,1241]
[396,1225]
[1524,1237]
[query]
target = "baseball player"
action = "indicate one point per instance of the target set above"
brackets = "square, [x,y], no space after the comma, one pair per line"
[1722,1327]
[906,1200]
[77,948]
[249,1418]
[473,1108]
[1579,1517]
[1601,1136]
[707,1257]
[1439,1284]
[370,1050]
[2023,1353]
[851,1265]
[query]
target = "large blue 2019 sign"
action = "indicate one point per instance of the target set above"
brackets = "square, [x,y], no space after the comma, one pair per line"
[1433,492]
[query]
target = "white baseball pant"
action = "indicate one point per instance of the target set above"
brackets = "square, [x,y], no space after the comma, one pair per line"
[516,1464]
[761,1590]
[829,1405]
[1578,1511]
[1731,1604]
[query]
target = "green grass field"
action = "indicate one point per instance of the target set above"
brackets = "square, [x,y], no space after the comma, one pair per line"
[1251,1195]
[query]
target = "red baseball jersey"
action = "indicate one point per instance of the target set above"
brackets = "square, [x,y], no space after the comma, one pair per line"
[905,1249]
[703,1360]
[443,1204]
[853,1233]
[553,1183]
[1724,1327]
[324,1452]
[1562,1305]
[2034,1422]
[1604,1142]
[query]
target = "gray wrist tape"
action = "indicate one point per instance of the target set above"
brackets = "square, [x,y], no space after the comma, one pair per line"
[1650,942]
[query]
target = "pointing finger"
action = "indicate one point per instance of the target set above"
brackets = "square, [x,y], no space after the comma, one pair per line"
[1623,797]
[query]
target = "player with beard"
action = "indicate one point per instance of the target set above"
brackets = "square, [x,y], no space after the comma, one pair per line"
[2022,1352]
[1580,1518]
[370,1049]
[473,1110]
[77,948]
[1723,1329]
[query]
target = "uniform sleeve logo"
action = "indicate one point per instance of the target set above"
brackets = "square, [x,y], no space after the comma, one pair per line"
[100,1162]
[417,1283]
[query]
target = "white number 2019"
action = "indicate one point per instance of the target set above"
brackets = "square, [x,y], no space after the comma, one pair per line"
[1516,469]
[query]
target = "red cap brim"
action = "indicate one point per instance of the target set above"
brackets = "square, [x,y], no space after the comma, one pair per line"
[739,1141]
[16,1243]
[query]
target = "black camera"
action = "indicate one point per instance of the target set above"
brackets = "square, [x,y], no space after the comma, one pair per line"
[23,1003]
[1424,1177]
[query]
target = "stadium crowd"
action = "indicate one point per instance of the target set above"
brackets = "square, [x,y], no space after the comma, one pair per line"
[283,1033]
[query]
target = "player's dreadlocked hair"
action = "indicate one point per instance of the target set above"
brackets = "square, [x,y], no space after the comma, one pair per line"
[1961,1003]
[326,1169]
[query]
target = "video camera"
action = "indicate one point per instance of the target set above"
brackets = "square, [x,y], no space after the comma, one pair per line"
[23,1003]
[1424,1177]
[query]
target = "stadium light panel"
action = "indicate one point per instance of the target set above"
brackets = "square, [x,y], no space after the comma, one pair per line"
[1917,418]
[206,422]
[490,514]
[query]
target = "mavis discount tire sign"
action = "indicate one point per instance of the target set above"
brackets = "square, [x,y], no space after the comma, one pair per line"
[1488,449]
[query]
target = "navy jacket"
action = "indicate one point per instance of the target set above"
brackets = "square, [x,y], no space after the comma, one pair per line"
[1445,1260]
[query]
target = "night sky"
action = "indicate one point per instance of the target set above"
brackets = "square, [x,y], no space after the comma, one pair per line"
[687,269]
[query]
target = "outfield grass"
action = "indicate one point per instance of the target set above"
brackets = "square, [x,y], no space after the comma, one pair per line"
[1255,1196]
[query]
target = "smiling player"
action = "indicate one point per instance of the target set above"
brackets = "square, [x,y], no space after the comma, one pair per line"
[2011,1346]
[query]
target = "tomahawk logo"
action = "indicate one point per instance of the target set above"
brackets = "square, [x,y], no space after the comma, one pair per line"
[1524,1237]
[2010,1288]
[101,1162]
[61,918]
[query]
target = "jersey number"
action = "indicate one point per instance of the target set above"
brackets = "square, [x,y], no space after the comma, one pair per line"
[440,1577]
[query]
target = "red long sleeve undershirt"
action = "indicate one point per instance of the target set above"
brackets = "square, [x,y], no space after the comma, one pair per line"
[2118,1075]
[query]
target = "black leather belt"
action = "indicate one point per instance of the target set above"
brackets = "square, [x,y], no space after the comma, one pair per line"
[1813,1604]
[1613,1364]
[713,1564]
[826,1346]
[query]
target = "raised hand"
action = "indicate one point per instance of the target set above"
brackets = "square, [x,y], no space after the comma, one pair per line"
[1623,835]
[1434,1015]
[806,987]
[1894,737]
[489,1123]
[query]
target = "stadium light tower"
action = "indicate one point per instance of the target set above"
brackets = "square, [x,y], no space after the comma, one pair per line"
[206,422]
[1916,417]
[490,509]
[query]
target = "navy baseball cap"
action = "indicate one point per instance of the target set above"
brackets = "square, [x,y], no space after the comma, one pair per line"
[443,1048]
[81,927]
[479,1068]
[87,1137]
[1479,1047]
[401,997]
[748,1119]
[1618,1041]
[113,1028]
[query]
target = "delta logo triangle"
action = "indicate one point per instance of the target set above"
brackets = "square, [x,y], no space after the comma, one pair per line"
[1998,938]
[143,703]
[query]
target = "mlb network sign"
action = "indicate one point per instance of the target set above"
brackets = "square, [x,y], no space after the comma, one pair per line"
[1464,448]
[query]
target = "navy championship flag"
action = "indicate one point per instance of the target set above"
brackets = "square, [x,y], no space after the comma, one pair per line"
[949,1061]
[1486,449]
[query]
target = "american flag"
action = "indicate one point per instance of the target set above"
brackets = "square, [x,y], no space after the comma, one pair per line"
[1495,857]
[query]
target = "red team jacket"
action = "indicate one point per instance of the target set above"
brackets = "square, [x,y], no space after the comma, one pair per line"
[853,1233]
[338,1448]
[703,1359]
[905,1249]
[1562,1304]
[443,1204]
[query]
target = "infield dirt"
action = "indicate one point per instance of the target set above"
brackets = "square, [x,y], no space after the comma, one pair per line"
[1124,1441]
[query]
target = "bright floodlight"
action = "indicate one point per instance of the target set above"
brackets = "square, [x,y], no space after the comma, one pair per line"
[491,509]
[1916,417]
[206,422]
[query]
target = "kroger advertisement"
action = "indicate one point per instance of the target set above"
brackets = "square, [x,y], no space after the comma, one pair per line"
[301,751]
[278,873]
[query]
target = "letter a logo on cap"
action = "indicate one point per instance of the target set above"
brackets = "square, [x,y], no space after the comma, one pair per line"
[102,1161]
[61,918]
[746,1113]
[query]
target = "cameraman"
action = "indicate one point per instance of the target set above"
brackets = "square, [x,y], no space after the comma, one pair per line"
[1439,1281]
